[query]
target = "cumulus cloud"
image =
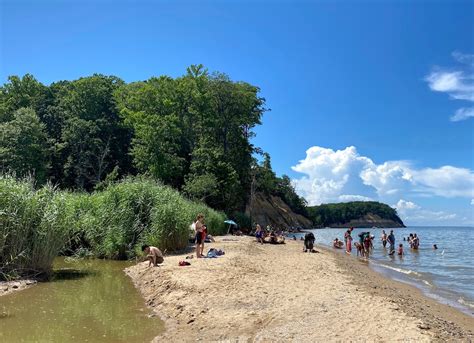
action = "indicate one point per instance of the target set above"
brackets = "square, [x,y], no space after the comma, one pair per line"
[353,197]
[458,84]
[415,214]
[344,175]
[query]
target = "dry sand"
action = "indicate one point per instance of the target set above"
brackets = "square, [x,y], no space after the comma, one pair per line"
[278,293]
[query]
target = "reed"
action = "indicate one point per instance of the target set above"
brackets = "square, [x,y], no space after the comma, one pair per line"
[38,224]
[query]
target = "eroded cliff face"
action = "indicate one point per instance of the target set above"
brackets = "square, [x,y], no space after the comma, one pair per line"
[272,210]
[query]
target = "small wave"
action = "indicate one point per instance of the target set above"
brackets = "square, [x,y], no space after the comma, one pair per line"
[426,283]
[464,302]
[400,270]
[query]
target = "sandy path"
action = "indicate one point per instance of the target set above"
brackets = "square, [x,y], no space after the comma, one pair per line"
[271,293]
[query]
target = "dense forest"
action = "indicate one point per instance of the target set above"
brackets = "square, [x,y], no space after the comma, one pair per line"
[333,214]
[192,133]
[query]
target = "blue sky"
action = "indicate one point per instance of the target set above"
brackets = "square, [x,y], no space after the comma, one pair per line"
[372,88]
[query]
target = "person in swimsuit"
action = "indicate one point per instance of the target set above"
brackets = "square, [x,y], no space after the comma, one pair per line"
[348,240]
[384,238]
[400,250]
[415,242]
[259,234]
[154,255]
[198,225]
[391,241]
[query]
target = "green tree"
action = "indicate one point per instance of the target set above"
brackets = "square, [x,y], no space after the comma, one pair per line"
[24,145]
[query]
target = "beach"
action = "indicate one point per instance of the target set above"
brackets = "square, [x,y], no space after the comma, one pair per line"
[278,293]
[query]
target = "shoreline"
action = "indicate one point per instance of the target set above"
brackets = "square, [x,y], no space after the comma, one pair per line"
[279,293]
[8,287]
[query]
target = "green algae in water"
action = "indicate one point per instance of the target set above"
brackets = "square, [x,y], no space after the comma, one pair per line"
[87,301]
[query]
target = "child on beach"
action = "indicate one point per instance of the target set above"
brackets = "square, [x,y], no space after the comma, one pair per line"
[400,250]
[154,255]
[259,234]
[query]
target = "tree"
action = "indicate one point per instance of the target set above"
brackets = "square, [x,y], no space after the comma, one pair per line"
[93,140]
[24,146]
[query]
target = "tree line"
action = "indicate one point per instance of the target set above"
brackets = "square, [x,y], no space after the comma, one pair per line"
[191,132]
[330,214]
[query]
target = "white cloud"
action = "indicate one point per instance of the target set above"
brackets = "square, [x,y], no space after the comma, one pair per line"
[415,214]
[353,197]
[462,114]
[341,175]
[472,202]
[458,84]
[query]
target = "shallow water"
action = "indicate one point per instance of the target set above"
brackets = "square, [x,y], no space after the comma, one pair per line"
[87,301]
[446,274]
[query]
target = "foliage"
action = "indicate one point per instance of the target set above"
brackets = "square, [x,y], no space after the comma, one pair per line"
[267,182]
[32,231]
[36,224]
[24,147]
[191,132]
[330,214]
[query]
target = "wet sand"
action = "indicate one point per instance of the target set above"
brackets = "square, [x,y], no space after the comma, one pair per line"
[7,287]
[278,293]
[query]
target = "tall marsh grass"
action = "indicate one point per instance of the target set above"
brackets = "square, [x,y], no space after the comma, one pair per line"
[36,225]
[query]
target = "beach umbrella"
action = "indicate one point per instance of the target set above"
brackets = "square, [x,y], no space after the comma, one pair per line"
[231,223]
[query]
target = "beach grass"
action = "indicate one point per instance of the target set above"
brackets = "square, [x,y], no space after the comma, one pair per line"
[38,224]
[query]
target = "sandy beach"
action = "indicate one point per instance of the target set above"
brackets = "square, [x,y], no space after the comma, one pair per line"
[278,293]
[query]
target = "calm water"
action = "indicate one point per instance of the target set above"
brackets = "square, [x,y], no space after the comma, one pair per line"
[446,274]
[88,301]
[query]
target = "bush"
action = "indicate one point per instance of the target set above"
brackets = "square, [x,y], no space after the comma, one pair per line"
[36,225]
[32,227]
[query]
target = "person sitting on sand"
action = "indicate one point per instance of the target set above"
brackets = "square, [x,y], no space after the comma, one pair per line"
[259,234]
[337,243]
[309,242]
[154,255]
[400,250]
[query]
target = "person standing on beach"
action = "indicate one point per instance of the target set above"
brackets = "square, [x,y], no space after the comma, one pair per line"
[348,240]
[384,238]
[391,241]
[199,228]
[259,234]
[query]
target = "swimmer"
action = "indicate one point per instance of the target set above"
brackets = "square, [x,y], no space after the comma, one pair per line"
[435,247]
[400,250]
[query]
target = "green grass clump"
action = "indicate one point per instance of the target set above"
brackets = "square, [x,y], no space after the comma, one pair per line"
[37,224]
[31,231]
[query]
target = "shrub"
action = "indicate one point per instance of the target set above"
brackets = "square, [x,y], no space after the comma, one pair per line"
[36,225]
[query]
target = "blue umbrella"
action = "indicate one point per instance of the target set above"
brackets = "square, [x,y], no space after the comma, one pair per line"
[230,222]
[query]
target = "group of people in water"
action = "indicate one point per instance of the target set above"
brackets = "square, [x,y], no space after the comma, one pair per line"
[365,244]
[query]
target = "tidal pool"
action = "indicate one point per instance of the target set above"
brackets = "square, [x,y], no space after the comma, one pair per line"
[86,301]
